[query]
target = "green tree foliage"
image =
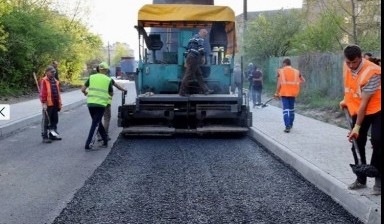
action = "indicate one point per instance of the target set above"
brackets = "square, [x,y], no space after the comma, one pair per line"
[271,35]
[35,35]
[120,50]
[361,22]
[322,35]
[4,8]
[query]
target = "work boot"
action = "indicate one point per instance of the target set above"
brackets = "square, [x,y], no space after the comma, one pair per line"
[55,137]
[287,130]
[356,185]
[104,145]
[89,148]
[209,91]
[377,186]
[47,140]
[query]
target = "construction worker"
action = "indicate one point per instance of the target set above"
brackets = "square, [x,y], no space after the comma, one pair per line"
[195,58]
[362,98]
[98,89]
[288,88]
[108,112]
[249,71]
[51,103]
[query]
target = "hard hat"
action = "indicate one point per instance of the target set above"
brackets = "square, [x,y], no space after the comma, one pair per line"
[250,64]
[103,65]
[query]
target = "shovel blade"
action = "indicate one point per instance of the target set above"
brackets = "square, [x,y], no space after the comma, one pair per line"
[53,133]
[365,170]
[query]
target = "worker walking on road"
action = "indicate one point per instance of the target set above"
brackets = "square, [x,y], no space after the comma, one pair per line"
[108,111]
[195,58]
[288,88]
[98,89]
[51,102]
[362,98]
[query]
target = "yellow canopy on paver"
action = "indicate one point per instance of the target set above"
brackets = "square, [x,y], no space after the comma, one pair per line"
[189,16]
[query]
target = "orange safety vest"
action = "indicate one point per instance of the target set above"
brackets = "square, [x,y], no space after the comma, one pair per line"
[49,91]
[353,86]
[290,81]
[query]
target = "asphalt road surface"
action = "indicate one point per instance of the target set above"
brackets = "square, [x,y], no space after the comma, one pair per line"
[196,180]
[36,179]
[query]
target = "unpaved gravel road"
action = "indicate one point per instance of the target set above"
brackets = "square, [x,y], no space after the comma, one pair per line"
[192,180]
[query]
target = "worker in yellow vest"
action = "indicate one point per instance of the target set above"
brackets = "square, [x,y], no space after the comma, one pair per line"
[362,98]
[288,88]
[98,89]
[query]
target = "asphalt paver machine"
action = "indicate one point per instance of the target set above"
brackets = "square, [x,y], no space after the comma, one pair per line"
[164,31]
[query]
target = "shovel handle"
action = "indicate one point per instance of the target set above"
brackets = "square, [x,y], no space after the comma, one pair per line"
[350,123]
[265,104]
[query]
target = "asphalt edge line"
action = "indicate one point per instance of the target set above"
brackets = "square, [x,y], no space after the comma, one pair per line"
[361,207]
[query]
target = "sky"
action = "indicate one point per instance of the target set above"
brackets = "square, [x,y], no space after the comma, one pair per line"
[114,20]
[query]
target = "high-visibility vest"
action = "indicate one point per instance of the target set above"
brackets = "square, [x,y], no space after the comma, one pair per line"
[98,89]
[353,86]
[47,83]
[290,81]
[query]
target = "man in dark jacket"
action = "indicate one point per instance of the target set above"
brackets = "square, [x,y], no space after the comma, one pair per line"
[257,86]
[195,58]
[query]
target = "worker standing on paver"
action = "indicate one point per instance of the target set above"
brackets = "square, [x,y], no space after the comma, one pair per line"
[99,93]
[288,88]
[51,103]
[195,58]
[362,98]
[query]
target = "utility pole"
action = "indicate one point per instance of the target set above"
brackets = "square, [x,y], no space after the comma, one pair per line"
[109,54]
[245,16]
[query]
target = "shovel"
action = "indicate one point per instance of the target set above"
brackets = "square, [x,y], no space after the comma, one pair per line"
[265,104]
[359,169]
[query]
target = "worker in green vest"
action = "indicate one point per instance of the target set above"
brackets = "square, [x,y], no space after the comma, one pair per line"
[99,91]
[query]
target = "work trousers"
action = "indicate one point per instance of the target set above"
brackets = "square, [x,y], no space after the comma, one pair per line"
[256,95]
[107,118]
[96,115]
[50,118]
[288,110]
[192,72]
[372,121]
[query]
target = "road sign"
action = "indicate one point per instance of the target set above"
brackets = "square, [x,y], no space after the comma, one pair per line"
[5,111]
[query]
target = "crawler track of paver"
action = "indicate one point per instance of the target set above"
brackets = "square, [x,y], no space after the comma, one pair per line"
[198,180]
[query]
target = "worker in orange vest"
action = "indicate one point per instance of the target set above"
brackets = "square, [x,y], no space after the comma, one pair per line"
[288,88]
[51,102]
[362,98]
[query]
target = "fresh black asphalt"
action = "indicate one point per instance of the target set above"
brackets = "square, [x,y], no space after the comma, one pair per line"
[198,180]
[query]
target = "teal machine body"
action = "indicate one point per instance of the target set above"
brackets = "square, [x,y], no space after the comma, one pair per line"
[158,108]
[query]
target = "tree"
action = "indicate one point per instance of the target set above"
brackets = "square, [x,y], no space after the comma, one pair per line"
[33,35]
[4,8]
[120,50]
[362,20]
[322,35]
[271,35]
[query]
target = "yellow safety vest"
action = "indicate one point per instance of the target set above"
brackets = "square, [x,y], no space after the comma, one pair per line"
[98,89]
